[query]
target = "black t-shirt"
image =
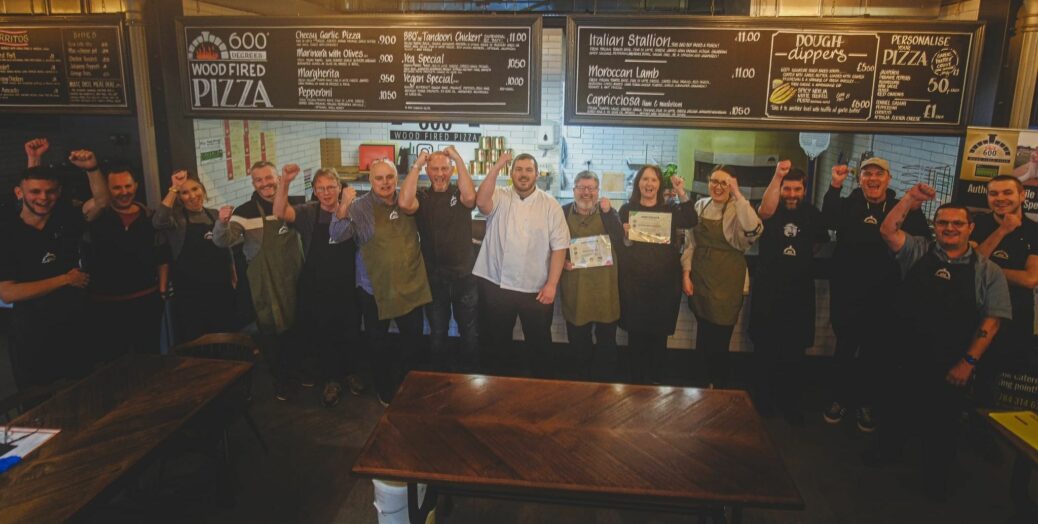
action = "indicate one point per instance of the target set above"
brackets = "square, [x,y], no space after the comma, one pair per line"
[786,247]
[124,259]
[445,227]
[1013,250]
[29,255]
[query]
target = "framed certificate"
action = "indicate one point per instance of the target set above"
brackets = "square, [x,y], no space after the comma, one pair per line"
[594,251]
[646,226]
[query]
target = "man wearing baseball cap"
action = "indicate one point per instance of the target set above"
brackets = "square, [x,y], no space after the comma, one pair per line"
[864,277]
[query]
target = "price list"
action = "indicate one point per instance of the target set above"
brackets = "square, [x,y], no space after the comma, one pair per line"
[51,68]
[471,70]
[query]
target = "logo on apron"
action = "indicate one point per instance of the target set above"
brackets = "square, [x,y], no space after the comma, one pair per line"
[790,230]
[870,220]
[394,215]
[943,273]
[454,200]
[1000,254]
[331,241]
[48,258]
[208,235]
[789,251]
[283,230]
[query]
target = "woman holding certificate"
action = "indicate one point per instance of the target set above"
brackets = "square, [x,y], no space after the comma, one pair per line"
[714,268]
[650,271]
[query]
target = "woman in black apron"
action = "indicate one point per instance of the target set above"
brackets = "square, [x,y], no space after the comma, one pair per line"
[202,274]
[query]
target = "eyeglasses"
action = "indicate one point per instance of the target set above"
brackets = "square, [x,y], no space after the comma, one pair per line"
[718,182]
[585,188]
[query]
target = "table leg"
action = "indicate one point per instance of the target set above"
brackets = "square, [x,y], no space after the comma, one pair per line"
[732,514]
[419,513]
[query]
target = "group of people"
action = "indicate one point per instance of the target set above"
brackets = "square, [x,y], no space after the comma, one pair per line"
[921,311]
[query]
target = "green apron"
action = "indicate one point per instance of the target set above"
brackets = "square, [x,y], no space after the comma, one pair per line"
[589,294]
[394,263]
[718,274]
[274,274]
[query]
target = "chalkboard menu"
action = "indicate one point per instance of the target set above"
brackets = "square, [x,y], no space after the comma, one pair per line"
[870,75]
[63,63]
[396,67]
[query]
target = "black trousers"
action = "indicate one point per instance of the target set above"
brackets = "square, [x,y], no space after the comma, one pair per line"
[498,311]
[44,352]
[393,360]
[648,353]
[197,313]
[590,360]
[779,374]
[127,326]
[858,355]
[713,340]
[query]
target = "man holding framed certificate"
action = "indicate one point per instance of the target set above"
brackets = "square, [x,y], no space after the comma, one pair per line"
[590,290]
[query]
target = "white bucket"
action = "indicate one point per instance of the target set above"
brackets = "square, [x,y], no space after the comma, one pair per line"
[391,502]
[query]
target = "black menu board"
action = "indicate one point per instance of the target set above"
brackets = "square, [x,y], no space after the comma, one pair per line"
[63,63]
[817,74]
[395,67]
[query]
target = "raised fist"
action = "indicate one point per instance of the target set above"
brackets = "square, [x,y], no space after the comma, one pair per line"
[503,160]
[921,193]
[83,159]
[678,183]
[1010,222]
[605,205]
[839,174]
[77,278]
[348,195]
[178,178]
[225,213]
[35,148]
[782,168]
[289,172]
[452,153]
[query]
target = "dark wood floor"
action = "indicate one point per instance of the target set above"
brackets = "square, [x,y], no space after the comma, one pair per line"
[305,477]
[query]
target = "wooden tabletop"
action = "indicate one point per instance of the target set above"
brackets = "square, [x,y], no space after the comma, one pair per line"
[580,441]
[108,422]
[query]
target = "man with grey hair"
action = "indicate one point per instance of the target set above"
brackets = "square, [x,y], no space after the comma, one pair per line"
[589,285]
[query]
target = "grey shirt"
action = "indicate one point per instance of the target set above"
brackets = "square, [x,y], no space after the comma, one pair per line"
[991,289]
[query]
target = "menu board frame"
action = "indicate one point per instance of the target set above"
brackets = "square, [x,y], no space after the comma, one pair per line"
[84,22]
[785,24]
[532,115]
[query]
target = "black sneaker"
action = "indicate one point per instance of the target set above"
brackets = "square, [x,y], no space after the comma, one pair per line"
[835,413]
[280,391]
[306,380]
[355,384]
[331,394]
[866,423]
[384,403]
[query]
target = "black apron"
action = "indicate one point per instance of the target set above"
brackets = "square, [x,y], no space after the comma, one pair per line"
[864,272]
[782,304]
[327,285]
[938,309]
[201,266]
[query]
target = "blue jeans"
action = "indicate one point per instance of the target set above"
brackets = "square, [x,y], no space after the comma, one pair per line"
[462,296]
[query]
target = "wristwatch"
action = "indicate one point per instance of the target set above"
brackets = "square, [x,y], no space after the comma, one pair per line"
[969,359]
[173,189]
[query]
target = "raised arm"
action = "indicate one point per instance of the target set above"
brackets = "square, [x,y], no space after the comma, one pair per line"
[163,217]
[34,150]
[408,199]
[832,202]
[282,209]
[465,185]
[227,233]
[485,195]
[85,160]
[769,203]
[890,229]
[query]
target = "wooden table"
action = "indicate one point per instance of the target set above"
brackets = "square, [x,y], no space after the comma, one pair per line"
[611,445]
[108,421]
[1026,461]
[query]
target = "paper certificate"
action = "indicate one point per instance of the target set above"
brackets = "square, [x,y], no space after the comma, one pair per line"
[593,251]
[650,227]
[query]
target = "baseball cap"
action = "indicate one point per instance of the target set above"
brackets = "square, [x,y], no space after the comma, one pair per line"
[875,161]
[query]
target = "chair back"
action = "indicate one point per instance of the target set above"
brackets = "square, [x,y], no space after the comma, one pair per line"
[223,346]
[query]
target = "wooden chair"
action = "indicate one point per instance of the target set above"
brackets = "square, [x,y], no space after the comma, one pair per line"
[228,346]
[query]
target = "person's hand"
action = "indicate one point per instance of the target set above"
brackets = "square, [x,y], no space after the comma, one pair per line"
[959,374]
[225,213]
[453,154]
[605,205]
[1034,156]
[782,169]
[568,266]
[234,280]
[1010,222]
[627,229]
[921,193]
[423,158]
[177,179]
[83,159]
[503,160]
[547,294]
[686,284]
[348,195]
[35,148]
[839,175]
[288,173]
[679,184]
[733,188]
[76,278]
